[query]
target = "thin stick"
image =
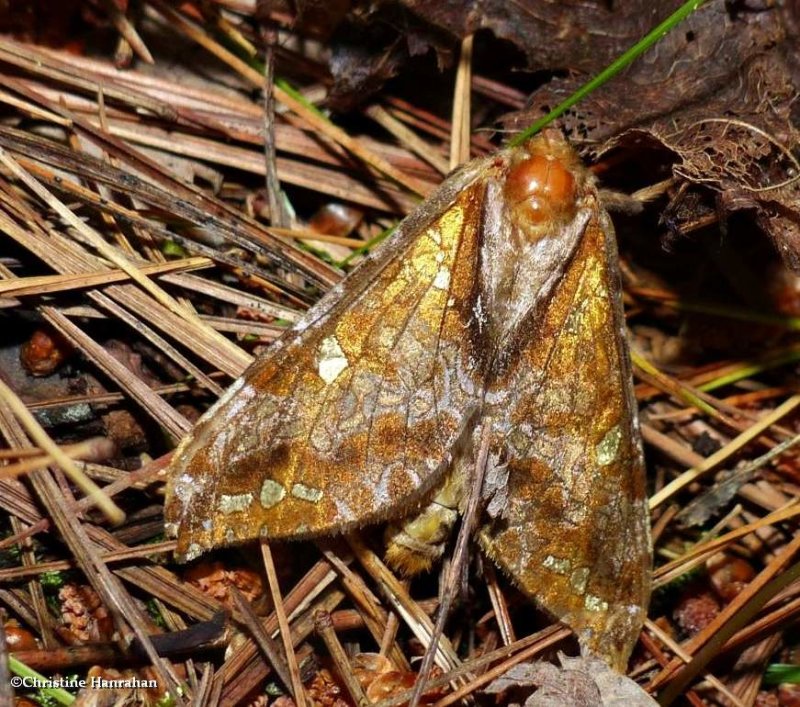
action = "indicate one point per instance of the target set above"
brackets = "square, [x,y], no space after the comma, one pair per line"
[398,598]
[46,284]
[659,657]
[408,137]
[82,450]
[706,645]
[277,215]
[737,478]
[698,554]
[499,605]
[97,242]
[124,26]
[549,636]
[675,647]
[729,449]
[387,640]
[43,441]
[460,138]
[292,100]
[262,638]
[283,624]
[324,626]
[459,555]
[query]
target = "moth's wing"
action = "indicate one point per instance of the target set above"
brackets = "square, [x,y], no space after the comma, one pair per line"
[575,532]
[353,415]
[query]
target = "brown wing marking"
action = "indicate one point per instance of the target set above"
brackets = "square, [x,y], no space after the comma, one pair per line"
[575,532]
[353,416]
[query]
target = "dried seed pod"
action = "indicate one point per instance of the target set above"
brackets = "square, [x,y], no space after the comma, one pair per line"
[84,619]
[729,574]
[325,691]
[696,609]
[396,681]
[44,353]
[368,666]
[336,219]
[19,638]
[215,580]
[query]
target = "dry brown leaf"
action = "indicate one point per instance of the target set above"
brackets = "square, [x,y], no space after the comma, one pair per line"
[579,682]
[719,93]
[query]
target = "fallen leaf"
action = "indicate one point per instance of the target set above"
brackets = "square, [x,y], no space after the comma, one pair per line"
[579,682]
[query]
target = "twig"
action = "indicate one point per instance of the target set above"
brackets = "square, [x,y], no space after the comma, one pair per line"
[42,439]
[324,626]
[296,684]
[277,214]
[720,456]
[263,639]
[94,448]
[468,523]
[706,645]
[460,139]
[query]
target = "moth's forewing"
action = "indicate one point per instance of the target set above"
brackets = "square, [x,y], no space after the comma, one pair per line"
[575,532]
[351,417]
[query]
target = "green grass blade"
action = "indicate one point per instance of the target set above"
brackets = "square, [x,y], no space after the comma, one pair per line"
[611,70]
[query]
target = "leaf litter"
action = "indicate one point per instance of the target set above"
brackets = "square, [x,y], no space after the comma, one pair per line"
[163,168]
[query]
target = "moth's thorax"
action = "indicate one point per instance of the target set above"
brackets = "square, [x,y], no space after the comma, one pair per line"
[536,210]
[541,193]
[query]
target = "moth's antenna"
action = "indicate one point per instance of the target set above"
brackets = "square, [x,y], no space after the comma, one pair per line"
[470,520]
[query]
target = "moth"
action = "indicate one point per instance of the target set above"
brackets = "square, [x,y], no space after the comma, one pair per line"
[495,309]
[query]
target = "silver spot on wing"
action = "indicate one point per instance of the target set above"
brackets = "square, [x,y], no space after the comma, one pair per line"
[331,360]
[272,493]
[593,603]
[235,503]
[556,564]
[608,448]
[307,493]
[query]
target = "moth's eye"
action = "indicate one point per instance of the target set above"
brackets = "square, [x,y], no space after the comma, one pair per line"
[540,189]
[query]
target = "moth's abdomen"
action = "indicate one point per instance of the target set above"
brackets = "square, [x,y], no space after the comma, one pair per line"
[416,544]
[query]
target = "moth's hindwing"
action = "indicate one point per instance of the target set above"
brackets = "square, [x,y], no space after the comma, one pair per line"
[575,532]
[351,418]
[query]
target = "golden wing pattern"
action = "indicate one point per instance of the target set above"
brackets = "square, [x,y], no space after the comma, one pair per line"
[370,387]
[497,303]
[575,532]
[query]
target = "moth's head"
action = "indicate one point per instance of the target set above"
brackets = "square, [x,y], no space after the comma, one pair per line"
[545,182]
